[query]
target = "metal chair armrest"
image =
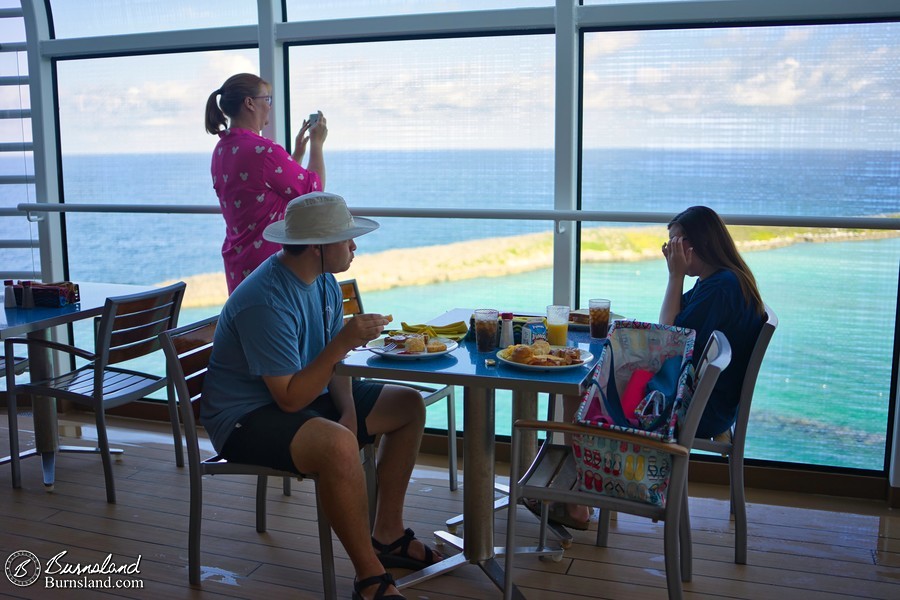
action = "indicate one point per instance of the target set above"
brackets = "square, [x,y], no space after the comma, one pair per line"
[50,345]
[621,436]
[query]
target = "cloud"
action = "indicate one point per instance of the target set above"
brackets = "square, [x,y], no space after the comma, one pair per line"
[608,43]
[777,86]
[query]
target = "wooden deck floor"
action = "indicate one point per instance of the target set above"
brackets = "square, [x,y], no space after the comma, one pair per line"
[800,546]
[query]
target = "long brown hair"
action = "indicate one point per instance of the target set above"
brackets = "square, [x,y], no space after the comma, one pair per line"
[233,91]
[712,243]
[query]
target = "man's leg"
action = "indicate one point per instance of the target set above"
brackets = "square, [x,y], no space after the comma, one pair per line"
[399,416]
[331,452]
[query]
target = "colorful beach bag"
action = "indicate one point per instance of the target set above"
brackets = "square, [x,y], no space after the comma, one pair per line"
[635,350]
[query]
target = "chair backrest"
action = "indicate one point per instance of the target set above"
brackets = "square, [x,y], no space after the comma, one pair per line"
[130,325]
[187,351]
[752,373]
[715,358]
[352,301]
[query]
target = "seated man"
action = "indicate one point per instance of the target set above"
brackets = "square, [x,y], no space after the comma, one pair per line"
[271,397]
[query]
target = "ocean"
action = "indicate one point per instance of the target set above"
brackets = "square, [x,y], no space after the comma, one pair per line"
[823,394]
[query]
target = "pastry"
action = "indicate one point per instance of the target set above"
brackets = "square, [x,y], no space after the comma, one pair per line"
[540,347]
[414,343]
[520,353]
[435,346]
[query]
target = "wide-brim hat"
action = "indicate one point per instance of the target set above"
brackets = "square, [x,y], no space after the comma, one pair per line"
[317,218]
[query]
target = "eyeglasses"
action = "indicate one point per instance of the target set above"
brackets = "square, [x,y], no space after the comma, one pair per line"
[268,99]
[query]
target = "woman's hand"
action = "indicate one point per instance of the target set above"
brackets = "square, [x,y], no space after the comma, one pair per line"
[300,142]
[319,131]
[677,255]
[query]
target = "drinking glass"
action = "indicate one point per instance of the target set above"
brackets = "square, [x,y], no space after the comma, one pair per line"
[486,329]
[557,324]
[599,309]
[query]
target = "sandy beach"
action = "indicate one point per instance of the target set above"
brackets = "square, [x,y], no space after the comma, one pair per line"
[499,257]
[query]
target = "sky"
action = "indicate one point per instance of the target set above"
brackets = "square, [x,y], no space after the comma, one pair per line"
[811,87]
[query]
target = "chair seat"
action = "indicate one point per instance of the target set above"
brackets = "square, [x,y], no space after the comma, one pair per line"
[120,386]
[20,365]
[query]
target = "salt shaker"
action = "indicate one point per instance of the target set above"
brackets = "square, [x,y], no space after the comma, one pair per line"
[9,294]
[27,295]
[506,329]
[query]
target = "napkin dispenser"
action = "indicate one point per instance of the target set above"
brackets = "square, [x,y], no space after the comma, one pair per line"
[51,295]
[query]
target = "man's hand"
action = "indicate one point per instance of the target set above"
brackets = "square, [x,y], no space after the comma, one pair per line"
[362,329]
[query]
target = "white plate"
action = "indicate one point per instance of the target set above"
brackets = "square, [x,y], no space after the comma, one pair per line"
[377,346]
[585,357]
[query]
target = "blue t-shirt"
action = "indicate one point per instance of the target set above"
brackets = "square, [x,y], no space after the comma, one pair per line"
[271,325]
[718,303]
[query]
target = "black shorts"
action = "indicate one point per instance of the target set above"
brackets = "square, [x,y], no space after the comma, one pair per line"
[263,437]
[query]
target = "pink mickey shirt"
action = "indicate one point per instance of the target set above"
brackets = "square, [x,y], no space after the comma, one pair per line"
[254,179]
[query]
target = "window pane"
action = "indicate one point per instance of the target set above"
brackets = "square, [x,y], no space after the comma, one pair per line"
[131,131]
[304,10]
[776,120]
[78,18]
[458,123]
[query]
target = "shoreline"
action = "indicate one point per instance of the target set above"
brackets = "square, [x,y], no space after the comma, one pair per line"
[512,255]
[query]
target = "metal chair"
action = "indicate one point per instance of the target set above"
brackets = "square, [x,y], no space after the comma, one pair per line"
[128,329]
[430,395]
[552,478]
[187,351]
[733,448]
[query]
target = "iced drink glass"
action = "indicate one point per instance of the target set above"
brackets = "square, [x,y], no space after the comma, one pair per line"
[486,329]
[557,324]
[599,309]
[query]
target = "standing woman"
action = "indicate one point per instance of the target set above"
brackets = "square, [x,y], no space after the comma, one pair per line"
[253,176]
[725,297]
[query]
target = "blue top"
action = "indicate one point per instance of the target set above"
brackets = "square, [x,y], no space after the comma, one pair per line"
[271,325]
[717,303]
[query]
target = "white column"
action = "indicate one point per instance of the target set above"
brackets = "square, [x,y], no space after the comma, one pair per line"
[566,150]
[271,68]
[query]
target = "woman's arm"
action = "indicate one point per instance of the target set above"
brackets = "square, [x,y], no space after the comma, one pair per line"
[317,137]
[676,262]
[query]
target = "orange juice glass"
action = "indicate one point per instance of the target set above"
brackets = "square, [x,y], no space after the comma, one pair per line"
[557,325]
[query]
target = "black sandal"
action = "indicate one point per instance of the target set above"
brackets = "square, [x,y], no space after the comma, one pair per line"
[385,579]
[402,559]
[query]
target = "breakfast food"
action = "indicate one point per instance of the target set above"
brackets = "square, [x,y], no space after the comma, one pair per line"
[540,354]
[580,316]
[389,318]
[520,353]
[414,343]
[398,339]
[435,346]
[540,347]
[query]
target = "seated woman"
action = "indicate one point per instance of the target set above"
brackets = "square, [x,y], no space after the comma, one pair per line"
[725,297]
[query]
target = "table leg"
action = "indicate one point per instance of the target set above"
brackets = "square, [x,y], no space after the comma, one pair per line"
[46,434]
[478,498]
[524,406]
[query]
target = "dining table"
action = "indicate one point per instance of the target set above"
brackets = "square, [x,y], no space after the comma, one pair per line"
[479,374]
[37,323]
